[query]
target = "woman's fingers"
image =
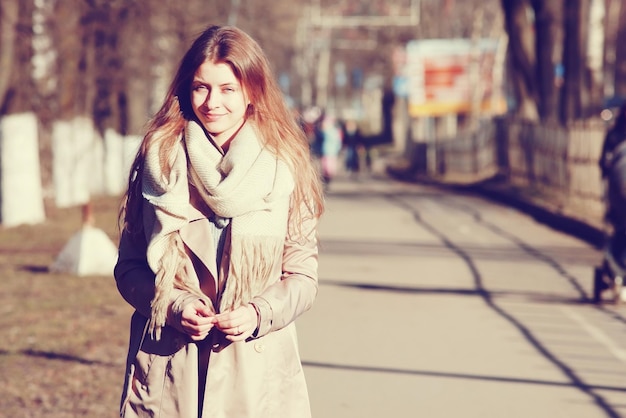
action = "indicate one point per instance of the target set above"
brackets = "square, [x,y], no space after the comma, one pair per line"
[238,324]
[197,320]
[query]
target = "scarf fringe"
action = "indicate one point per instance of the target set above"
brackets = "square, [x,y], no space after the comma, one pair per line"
[253,259]
[170,275]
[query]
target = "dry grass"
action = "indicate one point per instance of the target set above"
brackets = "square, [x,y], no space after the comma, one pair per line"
[63,338]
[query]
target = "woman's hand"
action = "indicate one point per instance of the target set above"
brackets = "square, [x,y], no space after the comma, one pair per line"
[197,320]
[239,323]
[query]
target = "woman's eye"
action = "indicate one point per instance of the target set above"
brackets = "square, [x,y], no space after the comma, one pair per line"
[199,87]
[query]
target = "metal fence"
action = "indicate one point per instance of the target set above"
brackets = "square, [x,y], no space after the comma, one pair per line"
[551,165]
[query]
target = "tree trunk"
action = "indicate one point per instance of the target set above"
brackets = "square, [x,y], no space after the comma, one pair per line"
[68,37]
[548,45]
[9,10]
[521,57]
[575,93]
[16,87]
[137,57]
[595,49]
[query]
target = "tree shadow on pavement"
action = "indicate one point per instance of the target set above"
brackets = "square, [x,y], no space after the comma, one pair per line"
[501,379]
[528,296]
[488,297]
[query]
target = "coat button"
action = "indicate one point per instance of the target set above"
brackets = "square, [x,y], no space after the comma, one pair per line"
[259,347]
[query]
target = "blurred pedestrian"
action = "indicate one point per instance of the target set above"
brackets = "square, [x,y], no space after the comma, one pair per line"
[218,252]
[310,124]
[352,144]
[331,144]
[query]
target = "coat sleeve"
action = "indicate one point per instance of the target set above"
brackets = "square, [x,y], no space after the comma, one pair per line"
[135,279]
[133,276]
[284,301]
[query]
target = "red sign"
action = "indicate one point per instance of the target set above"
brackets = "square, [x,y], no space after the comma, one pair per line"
[452,75]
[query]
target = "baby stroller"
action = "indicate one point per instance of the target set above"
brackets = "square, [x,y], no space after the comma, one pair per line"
[611,274]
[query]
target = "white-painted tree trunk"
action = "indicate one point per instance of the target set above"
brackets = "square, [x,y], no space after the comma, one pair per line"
[120,152]
[97,174]
[114,174]
[130,148]
[73,161]
[21,192]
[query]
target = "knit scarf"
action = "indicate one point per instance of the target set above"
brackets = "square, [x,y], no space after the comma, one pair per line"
[247,185]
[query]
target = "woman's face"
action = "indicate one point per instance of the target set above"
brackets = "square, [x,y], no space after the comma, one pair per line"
[218,100]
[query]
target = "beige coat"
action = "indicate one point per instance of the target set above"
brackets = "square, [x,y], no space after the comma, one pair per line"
[261,377]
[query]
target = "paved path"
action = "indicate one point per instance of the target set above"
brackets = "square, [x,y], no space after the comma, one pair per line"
[439,305]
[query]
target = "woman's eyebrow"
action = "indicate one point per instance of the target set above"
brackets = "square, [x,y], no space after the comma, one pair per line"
[227,83]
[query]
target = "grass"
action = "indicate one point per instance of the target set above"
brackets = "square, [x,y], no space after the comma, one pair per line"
[63,338]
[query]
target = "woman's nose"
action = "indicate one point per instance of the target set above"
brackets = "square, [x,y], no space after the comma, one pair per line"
[212,100]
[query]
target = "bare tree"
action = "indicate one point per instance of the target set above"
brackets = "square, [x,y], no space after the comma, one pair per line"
[71,69]
[107,18]
[576,87]
[9,10]
[16,31]
[522,57]
[554,76]
[549,53]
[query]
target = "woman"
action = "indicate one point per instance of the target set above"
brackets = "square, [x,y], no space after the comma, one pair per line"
[218,252]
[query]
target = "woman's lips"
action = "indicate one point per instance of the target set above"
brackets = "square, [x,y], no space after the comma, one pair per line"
[212,117]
